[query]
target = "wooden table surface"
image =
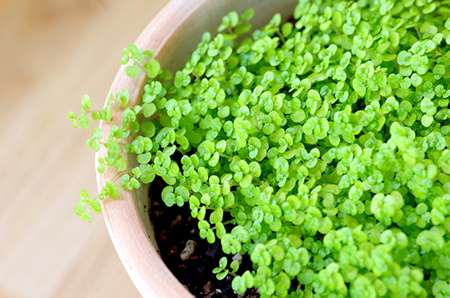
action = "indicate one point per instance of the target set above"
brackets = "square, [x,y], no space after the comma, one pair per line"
[52,52]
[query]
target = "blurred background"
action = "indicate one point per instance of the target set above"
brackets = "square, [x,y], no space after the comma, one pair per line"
[52,52]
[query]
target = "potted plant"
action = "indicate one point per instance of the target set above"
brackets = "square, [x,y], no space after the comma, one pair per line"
[365,148]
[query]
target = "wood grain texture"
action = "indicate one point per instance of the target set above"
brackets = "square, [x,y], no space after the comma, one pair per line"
[173,34]
[52,53]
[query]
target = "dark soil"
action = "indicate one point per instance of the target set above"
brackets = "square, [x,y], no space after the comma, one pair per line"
[174,226]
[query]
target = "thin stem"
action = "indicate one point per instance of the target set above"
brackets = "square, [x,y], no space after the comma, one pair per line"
[141,66]
[181,151]
[224,155]
[87,112]
[257,179]
[212,208]
[259,130]
[120,143]
[228,85]
[283,40]
[225,223]
[156,116]
[418,32]
[233,221]
[231,184]
[336,29]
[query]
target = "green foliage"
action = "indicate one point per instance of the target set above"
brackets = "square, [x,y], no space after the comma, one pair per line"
[325,140]
[221,271]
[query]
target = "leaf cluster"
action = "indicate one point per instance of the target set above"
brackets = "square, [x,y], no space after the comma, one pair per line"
[318,147]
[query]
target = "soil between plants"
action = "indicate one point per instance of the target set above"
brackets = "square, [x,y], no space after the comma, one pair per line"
[174,226]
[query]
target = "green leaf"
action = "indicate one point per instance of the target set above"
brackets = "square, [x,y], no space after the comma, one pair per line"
[101,169]
[152,68]
[238,285]
[107,114]
[203,225]
[84,196]
[223,262]
[84,121]
[286,29]
[134,183]
[136,172]
[283,283]
[246,181]
[95,206]
[125,58]
[201,213]
[149,54]
[248,14]
[86,102]
[149,109]
[210,237]
[114,149]
[220,230]
[114,191]
[216,215]
[120,162]
[149,129]
[124,180]
[183,142]
[86,216]
[116,132]
[234,265]
[79,209]
[97,133]
[206,37]
[135,127]
[123,96]
[132,71]
[144,158]
[147,173]
[222,275]
[167,196]
[447,24]
[94,144]
[73,118]
[134,50]
[182,192]
[239,30]
[240,234]
[216,270]
[206,199]
[234,18]
[276,20]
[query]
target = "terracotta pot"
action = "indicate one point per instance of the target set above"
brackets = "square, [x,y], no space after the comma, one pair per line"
[173,34]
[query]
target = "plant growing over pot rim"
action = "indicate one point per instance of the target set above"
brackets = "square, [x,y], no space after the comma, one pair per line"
[361,176]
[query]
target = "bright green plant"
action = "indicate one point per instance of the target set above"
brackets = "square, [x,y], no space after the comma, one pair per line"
[222,271]
[326,139]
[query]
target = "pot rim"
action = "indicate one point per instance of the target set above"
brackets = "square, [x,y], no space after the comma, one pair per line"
[138,250]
